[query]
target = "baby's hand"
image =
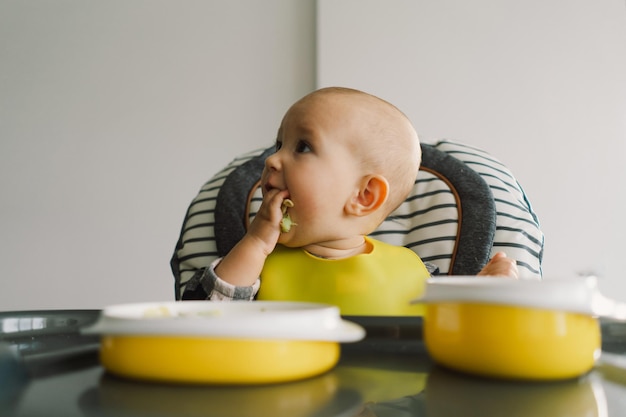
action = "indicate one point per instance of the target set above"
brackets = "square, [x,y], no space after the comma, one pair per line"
[501,266]
[266,225]
[244,263]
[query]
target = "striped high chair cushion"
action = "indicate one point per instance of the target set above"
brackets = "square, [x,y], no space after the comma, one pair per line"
[465,206]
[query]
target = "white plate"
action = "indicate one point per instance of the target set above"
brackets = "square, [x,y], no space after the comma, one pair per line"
[235,319]
[580,295]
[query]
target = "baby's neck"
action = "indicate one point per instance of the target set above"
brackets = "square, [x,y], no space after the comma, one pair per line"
[339,249]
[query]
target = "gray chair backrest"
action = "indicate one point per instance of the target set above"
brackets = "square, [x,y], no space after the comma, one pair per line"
[464,207]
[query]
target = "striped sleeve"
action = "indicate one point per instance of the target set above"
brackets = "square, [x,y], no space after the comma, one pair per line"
[196,248]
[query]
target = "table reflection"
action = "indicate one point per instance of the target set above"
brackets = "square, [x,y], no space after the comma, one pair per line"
[577,397]
[321,396]
[451,394]
[359,379]
[395,386]
[48,368]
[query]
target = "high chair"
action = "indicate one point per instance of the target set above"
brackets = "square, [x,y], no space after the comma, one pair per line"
[465,207]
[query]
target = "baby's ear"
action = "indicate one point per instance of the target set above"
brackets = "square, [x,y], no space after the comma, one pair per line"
[371,195]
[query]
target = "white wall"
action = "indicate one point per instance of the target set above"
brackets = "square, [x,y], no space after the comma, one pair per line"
[112,115]
[539,84]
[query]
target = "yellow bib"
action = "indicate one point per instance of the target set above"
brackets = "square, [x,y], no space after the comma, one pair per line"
[379,283]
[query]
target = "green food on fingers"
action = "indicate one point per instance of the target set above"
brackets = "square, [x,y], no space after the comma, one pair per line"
[286,223]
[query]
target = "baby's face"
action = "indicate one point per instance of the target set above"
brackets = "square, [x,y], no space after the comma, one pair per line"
[317,161]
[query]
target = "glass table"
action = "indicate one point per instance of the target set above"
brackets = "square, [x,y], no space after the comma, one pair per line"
[47,368]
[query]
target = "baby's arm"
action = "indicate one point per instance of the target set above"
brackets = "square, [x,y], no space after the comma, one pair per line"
[500,265]
[243,264]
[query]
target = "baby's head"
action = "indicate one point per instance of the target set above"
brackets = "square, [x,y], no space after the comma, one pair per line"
[339,144]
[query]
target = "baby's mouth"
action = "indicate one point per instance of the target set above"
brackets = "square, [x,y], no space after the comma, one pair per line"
[267,187]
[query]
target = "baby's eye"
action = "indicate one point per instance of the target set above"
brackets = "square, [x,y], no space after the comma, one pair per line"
[277,146]
[303,147]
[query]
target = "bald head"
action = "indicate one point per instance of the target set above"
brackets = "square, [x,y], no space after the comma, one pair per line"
[383,138]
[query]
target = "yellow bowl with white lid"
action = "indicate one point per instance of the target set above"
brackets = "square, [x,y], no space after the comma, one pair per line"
[222,342]
[515,329]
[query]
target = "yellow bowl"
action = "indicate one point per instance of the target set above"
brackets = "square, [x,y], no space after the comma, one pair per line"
[222,343]
[511,329]
[510,341]
[224,361]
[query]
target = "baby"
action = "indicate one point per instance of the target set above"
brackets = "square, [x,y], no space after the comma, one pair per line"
[344,161]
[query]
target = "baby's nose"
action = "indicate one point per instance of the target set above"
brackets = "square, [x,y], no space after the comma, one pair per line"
[272,162]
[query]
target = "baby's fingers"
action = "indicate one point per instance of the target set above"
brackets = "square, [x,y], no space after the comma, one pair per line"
[271,207]
[500,265]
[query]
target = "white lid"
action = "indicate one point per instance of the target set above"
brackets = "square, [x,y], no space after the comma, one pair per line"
[579,295]
[235,319]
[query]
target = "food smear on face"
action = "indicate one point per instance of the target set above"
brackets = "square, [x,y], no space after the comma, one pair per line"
[286,223]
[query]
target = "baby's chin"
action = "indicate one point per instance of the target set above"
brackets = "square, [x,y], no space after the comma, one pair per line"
[286,240]
[291,240]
